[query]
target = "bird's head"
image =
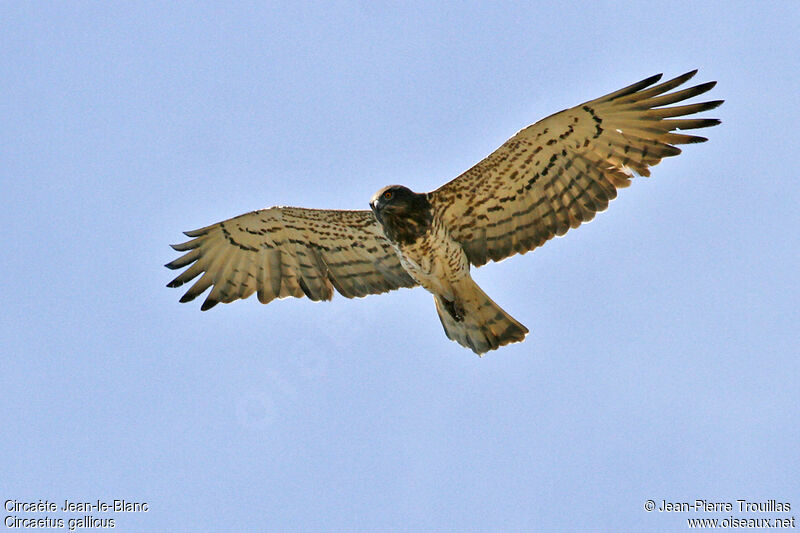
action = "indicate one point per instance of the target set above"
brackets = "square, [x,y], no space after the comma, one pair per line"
[393,200]
[405,215]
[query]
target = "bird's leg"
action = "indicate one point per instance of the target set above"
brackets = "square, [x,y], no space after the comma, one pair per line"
[455,309]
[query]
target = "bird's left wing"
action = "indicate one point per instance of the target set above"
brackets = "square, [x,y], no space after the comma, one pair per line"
[559,172]
[289,251]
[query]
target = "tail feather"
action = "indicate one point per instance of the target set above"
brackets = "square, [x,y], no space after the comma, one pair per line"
[474,321]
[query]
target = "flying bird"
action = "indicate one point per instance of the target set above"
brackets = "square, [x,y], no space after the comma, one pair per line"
[550,177]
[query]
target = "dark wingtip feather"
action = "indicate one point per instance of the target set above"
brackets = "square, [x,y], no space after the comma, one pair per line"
[182,261]
[651,80]
[196,232]
[187,298]
[630,89]
[683,78]
[638,86]
[707,123]
[174,283]
[704,87]
[208,304]
[186,246]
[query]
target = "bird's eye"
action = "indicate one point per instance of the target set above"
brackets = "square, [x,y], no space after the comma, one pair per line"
[388,195]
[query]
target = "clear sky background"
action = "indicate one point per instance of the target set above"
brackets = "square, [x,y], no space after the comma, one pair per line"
[663,356]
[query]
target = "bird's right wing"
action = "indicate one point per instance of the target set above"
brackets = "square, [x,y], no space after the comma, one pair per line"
[559,172]
[289,251]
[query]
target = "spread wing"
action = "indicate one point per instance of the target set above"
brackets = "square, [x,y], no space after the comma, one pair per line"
[289,251]
[559,172]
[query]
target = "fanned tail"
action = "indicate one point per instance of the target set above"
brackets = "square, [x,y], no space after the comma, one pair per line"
[474,321]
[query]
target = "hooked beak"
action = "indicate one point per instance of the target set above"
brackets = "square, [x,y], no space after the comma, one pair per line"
[376,210]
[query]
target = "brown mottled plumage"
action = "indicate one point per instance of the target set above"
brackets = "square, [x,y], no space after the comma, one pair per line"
[548,178]
[288,251]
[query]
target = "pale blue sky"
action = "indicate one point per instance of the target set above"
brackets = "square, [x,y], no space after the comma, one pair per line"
[663,356]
